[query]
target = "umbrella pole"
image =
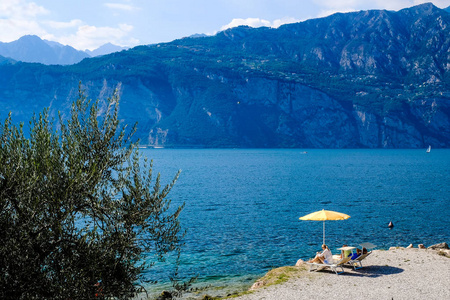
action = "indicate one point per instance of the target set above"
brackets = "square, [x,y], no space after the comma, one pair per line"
[323,233]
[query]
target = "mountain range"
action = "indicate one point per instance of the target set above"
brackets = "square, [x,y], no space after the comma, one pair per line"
[368,79]
[31,48]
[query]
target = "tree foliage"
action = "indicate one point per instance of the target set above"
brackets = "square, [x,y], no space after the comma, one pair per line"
[81,213]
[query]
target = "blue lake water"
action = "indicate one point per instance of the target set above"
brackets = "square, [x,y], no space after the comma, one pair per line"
[243,205]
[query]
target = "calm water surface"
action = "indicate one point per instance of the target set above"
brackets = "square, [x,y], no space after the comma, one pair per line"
[243,206]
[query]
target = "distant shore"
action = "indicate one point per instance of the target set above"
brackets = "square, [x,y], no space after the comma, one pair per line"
[398,273]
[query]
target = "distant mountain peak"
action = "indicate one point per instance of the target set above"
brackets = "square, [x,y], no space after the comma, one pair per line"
[426,8]
[30,37]
[105,49]
[31,48]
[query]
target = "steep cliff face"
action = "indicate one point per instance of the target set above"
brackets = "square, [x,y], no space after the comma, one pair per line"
[373,79]
[261,112]
[299,115]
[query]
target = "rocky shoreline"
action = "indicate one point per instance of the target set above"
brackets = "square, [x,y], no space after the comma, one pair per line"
[397,273]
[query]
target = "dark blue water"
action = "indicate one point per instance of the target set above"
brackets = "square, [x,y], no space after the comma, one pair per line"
[243,206]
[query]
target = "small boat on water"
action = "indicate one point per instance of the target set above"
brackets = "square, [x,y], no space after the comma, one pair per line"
[429,149]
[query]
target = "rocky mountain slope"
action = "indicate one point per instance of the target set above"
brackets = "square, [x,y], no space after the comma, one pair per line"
[375,79]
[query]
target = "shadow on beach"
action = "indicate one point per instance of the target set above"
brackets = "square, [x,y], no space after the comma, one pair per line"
[374,271]
[369,271]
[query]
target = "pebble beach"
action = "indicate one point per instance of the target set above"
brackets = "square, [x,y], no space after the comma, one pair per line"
[397,273]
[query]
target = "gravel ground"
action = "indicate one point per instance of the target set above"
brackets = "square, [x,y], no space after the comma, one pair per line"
[394,274]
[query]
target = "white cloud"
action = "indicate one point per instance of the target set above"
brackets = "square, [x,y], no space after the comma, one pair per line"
[92,37]
[252,22]
[63,25]
[20,9]
[286,20]
[18,18]
[12,29]
[82,36]
[257,22]
[121,6]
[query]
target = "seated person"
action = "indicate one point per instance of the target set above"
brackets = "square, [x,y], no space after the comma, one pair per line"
[323,258]
[359,251]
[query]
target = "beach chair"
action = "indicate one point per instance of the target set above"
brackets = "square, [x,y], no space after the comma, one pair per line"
[334,266]
[356,262]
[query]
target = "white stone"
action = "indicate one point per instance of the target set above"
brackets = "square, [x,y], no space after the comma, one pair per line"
[257,285]
[299,263]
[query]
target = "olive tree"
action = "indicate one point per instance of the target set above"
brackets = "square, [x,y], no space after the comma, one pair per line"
[81,214]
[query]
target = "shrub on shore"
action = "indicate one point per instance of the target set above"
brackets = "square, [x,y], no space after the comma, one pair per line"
[81,215]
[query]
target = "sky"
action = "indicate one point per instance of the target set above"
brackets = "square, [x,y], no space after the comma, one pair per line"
[88,24]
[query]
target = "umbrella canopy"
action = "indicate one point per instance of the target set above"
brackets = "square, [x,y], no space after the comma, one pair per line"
[325,215]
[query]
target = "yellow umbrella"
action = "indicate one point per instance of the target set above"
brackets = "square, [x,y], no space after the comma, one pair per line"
[325,215]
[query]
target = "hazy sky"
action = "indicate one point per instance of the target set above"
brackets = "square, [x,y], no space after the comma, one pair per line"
[88,24]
